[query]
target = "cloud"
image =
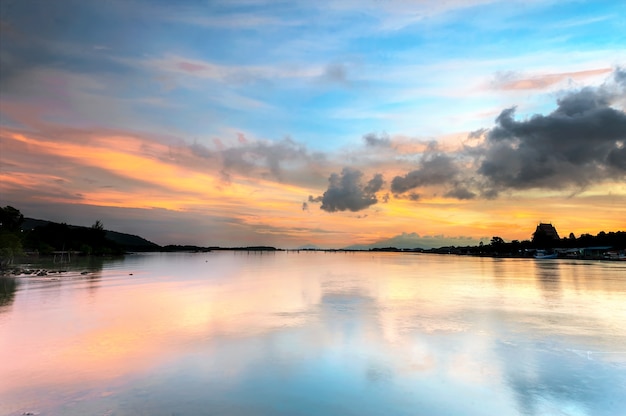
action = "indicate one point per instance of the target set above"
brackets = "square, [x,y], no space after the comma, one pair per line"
[234,21]
[347,191]
[579,143]
[395,15]
[374,140]
[460,193]
[514,81]
[201,150]
[335,74]
[232,74]
[434,169]
[265,158]
[477,134]
[620,76]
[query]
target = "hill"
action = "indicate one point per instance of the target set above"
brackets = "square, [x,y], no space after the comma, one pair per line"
[132,242]
[128,242]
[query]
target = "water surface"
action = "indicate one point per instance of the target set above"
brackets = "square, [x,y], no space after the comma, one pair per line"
[311,333]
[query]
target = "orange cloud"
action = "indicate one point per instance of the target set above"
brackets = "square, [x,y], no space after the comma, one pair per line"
[125,171]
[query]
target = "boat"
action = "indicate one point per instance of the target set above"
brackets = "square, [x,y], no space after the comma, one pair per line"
[542,255]
[615,255]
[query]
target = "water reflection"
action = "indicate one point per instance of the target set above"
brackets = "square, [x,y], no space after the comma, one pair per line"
[8,287]
[548,276]
[550,378]
[318,333]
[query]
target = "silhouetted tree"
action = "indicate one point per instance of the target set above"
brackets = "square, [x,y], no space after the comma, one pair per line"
[542,240]
[11,219]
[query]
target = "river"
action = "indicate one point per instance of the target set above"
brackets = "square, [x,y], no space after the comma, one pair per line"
[314,333]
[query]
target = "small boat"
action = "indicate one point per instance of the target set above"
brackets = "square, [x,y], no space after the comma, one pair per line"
[542,255]
[615,255]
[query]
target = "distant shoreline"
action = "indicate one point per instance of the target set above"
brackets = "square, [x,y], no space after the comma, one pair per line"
[57,266]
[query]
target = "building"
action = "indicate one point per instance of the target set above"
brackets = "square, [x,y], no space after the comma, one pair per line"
[545,232]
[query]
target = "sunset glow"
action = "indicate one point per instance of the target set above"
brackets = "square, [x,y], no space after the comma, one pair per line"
[289,124]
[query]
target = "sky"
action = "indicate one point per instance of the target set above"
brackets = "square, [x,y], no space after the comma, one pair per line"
[292,123]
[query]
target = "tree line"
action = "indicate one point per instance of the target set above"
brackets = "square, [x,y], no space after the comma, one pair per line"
[497,245]
[51,237]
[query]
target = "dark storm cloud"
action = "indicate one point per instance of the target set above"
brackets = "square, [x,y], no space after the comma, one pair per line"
[374,140]
[620,76]
[477,134]
[347,191]
[583,141]
[433,169]
[617,158]
[374,184]
[579,143]
[460,193]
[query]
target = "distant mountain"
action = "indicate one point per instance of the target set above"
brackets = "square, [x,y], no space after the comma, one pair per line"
[128,242]
[415,241]
[132,242]
[308,247]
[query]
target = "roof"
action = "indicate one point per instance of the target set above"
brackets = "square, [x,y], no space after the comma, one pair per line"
[548,230]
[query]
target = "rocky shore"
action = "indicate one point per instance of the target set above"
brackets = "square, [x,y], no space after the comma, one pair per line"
[36,272]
